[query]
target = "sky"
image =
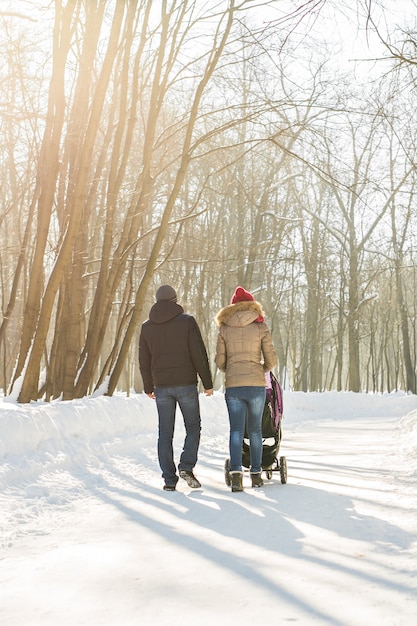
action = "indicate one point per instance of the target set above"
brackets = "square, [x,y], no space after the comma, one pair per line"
[344,30]
[88,536]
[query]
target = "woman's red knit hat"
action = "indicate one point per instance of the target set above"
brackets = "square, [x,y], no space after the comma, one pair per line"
[241,295]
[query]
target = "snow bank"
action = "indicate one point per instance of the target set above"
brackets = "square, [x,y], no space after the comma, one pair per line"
[347,404]
[65,425]
[58,424]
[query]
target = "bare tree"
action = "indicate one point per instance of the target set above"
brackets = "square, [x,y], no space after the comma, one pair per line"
[208,165]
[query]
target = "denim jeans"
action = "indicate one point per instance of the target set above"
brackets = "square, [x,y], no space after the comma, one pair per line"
[245,405]
[167,399]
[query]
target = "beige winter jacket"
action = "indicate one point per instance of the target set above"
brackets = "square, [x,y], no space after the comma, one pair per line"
[245,351]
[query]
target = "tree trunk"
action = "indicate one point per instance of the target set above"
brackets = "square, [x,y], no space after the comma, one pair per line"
[29,389]
[185,160]
[47,176]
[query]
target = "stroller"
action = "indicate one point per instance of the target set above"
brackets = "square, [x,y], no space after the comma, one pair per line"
[271,436]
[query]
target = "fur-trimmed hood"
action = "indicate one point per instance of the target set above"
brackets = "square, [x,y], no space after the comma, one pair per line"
[240,314]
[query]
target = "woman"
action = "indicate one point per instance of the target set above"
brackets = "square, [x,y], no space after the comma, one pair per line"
[244,352]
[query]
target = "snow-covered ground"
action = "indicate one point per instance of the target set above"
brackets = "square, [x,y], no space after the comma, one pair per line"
[88,536]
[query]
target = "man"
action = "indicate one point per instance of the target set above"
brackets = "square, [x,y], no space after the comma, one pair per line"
[171,354]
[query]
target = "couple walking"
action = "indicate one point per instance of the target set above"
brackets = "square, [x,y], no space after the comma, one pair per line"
[171,355]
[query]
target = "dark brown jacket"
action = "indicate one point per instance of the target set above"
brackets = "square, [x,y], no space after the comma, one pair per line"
[171,349]
[245,351]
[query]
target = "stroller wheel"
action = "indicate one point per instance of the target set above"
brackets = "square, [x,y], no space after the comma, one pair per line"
[227,478]
[268,474]
[283,469]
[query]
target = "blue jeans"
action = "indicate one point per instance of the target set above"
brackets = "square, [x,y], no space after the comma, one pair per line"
[245,405]
[167,399]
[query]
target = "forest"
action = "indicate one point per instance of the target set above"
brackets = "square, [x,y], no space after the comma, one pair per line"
[207,144]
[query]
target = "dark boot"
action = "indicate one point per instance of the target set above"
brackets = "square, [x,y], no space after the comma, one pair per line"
[237,481]
[257,480]
[190,479]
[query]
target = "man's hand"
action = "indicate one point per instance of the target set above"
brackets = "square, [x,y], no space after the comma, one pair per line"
[151,395]
[208,392]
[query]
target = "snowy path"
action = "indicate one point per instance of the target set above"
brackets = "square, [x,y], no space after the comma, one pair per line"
[336,545]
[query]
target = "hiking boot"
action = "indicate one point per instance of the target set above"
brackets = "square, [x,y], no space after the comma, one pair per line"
[237,478]
[190,479]
[169,487]
[257,480]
